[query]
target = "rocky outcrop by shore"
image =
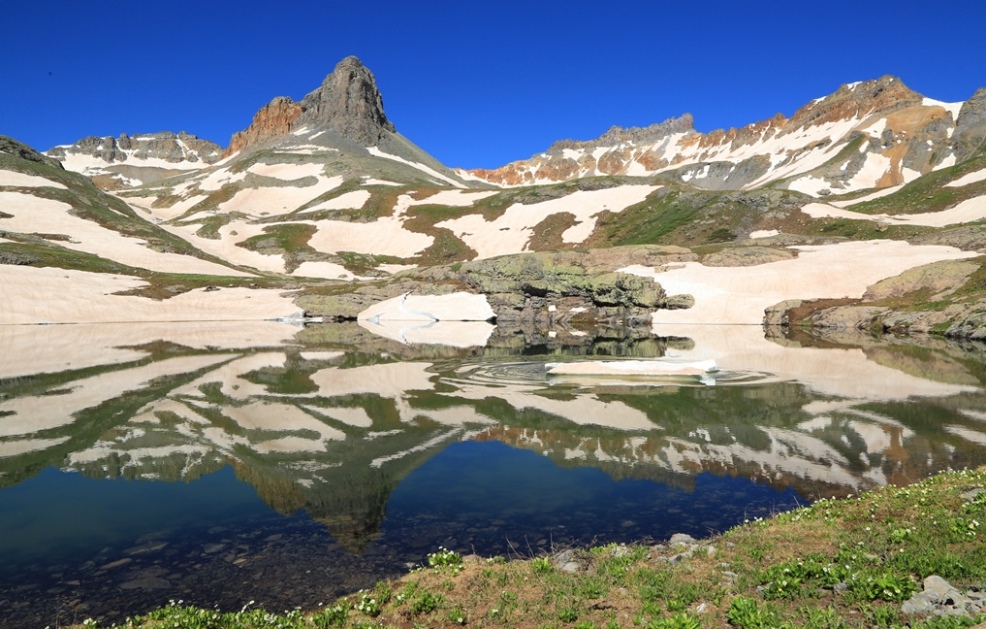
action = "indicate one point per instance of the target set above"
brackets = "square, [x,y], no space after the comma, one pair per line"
[942,298]
[533,290]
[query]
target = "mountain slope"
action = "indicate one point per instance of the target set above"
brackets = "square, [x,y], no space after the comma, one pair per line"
[324,192]
[72,253]
[133,160]
[873,134]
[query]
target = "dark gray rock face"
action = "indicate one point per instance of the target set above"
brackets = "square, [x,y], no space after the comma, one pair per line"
[170,147]
[349,103]
[725,175]
[970,128]
[617,135]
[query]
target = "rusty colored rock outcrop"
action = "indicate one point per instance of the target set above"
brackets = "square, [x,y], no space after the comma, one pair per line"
[274,119]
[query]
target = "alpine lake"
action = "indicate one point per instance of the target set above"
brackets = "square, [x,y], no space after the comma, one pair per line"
[233,464]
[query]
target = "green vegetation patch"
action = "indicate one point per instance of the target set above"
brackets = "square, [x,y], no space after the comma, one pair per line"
[929,193]
[675,214]
[838,563]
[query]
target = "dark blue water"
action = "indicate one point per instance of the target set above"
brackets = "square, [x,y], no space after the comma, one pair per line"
[512,498]
[73,547]
[59,517]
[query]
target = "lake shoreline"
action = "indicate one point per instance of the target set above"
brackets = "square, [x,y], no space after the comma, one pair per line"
[792,567]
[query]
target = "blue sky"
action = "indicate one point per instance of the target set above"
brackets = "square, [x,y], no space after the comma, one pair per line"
[474,84]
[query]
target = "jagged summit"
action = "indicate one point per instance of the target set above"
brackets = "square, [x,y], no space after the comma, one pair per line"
[888,93]
[135,159]
[166,146]
[347,103]
[896,135]
[619,135]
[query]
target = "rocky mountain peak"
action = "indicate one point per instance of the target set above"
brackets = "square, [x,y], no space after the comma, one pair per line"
[620,135]
[347,103]
[857,99]
[169,148]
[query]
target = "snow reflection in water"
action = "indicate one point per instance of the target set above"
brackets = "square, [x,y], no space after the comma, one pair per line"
[349,459]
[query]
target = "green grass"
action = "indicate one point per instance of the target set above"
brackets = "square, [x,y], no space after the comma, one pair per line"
[838,563]
[928,193]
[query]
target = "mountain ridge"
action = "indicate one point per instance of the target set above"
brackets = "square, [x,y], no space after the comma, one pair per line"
[770,150]
[905,134]
[326,192]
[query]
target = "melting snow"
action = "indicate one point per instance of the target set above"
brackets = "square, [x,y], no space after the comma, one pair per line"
[809,184]
[873,169]
[288,172]
[11,178]
[968,179]
[511,231]
[35,214]
[869,197]
[279,199]
[723,296]
[764,233]
[876,129]
[952,108]
[354,199]
[967,211]
[375,151]
[455,198]
[90,164]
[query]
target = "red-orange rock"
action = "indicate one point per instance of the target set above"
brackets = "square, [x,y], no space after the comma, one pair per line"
[274,119]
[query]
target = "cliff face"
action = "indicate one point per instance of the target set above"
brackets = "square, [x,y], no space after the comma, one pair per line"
[970,130]
[347,103]
[128,160]
[274,119]
[167,147]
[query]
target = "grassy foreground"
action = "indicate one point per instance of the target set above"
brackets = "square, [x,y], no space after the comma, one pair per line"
[837,563]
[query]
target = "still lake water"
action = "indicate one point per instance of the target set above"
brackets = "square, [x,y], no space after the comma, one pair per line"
[225,463]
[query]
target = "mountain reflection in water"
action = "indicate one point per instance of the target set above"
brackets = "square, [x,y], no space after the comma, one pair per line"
[289,467]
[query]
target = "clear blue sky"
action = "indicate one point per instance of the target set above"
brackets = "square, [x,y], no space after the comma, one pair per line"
[476,84]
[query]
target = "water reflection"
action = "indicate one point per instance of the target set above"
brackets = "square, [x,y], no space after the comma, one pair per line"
[367,447]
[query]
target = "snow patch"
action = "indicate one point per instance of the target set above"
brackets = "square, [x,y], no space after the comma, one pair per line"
[34,214]
[809,184]
[279,199]
[287,172]
[873,169]
[876,129]
[968,211]
[764,233]
[869,197]
[375,151]
[968,179]
[952,108]
[730,296]
[355,199]
[370,181]
[511,231]
[454,198]
[12,178]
